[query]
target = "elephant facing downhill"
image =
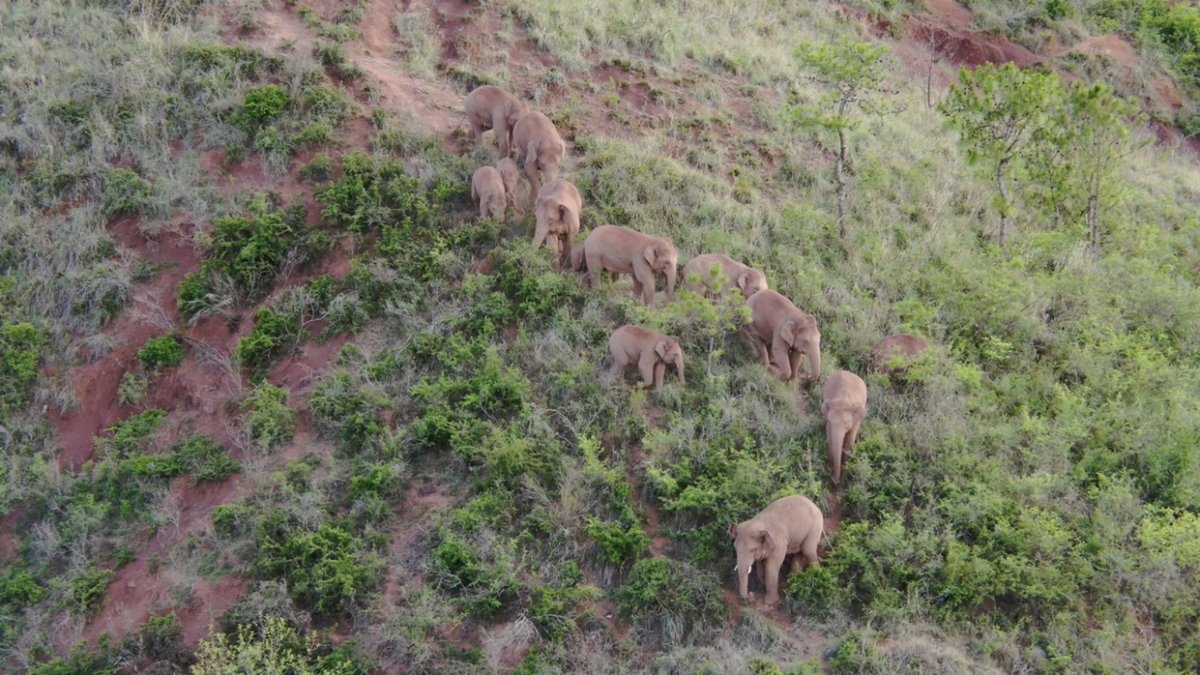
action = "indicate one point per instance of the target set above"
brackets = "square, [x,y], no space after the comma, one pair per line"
[488,193]
[539,148]
[651,350]
[746,279]
[843,405]
[783,334]
[490,107]
[620,250]
[789,525]
[558,207]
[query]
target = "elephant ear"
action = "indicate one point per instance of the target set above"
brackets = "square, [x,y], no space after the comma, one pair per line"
[660,348]
[650,254]
[767,541]
[564,213]
[733,531]
[788,331]
[742,280]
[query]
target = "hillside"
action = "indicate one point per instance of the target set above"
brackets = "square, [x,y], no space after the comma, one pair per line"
[271,392]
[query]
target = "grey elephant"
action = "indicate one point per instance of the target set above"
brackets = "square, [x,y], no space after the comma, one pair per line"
[539,149]
[783,334]
[733,274]
[649,349]
[557,212]
[787,526]
[620,250]
[844,406]
[490,107]
[488,193]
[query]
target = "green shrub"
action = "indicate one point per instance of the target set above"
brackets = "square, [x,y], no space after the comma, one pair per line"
[319,168]
[127,437]
[206,460]
[165,351]
[273,336]
[620,544]
[194,294]
[19,589]
[269,421]
[20,354]
[270,646]
[672,598]
[132,388]
[125,193]
[260,106]
[161,638]
[325,570]
[485,586]
[87,590]
[348,413]
[317,133]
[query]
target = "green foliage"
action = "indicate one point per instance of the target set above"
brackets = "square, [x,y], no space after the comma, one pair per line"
[671,595]
[319,168]
[1177,25]
[128,437]
[132,388]
[164,351]
[326,570]
[269,646]
[486,586]
[87,590]
[21,347]
[260,106]
[274,335]
[19,589]
[125,193]
[269,421]
[619,544]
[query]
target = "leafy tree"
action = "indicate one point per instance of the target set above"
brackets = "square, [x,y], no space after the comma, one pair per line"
[1000,113]
[854,72]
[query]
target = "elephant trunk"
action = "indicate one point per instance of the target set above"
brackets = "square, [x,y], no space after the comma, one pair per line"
[679,369]
[814,364]
[834,435]
[670,272]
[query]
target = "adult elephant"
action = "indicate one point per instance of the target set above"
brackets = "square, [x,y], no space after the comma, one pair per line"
[539,149]
[844,406]
[490,107]
[732,274]
[620,250]
[787,526]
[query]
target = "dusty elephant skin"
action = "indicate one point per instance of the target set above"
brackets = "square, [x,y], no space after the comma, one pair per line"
[488,193]
[843,405]
[620,250]
[578,261]
[539,148]
[746,279]
[651,350]
[490,107]
[511,176]
[557,212]
[782,334]
[788,525]
[893,346]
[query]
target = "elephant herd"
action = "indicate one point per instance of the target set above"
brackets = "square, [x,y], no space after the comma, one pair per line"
[786,339]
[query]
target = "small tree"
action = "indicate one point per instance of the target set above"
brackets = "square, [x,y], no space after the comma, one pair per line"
[1000,113]
[854,72]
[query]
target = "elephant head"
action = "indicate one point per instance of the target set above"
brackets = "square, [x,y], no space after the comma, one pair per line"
[751,281]
[513,109]
[662,258]
[551,157]
[670,352]
[802,334]
[752,542]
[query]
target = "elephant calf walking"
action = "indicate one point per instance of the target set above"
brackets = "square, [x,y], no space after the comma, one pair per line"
[651,350]
[843,405]
[782,334]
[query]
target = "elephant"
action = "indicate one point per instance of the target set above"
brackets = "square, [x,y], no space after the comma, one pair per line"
[620,250]
[558,206]
[900,347]
[788,525]
[843,405]
[487,191]
[650,349]
[490,107]
[578,261]
[788,333]
[747,279]
[511,176]
[539,148]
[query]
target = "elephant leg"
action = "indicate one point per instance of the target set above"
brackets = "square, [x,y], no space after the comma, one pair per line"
[646,368]
[797,564]
[794,358]
[476,130]
[758,571]
[618,369]
[809,549]
[637,287]
[851,436]
[659,369]
[500,126]
[774,564]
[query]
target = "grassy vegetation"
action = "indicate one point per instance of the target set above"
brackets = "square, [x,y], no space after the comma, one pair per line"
[1024,500]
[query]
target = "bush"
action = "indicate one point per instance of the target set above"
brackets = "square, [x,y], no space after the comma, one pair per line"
[125,193]
[269,421]
[20,354]
[319,168]
[88,589]
[260,106]
[274,335]
[325,570]
[486,587]
[673,599]
[127,437]
[162,351]
[269,646]
[132,388]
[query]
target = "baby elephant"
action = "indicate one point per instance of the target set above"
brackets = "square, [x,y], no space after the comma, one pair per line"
[488,193]
[490,107]
[843,405]
[620,250]
[778,326]
[899,347]
[651,350]
[747,279]
[578,262]
[789,525]
[558,206]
